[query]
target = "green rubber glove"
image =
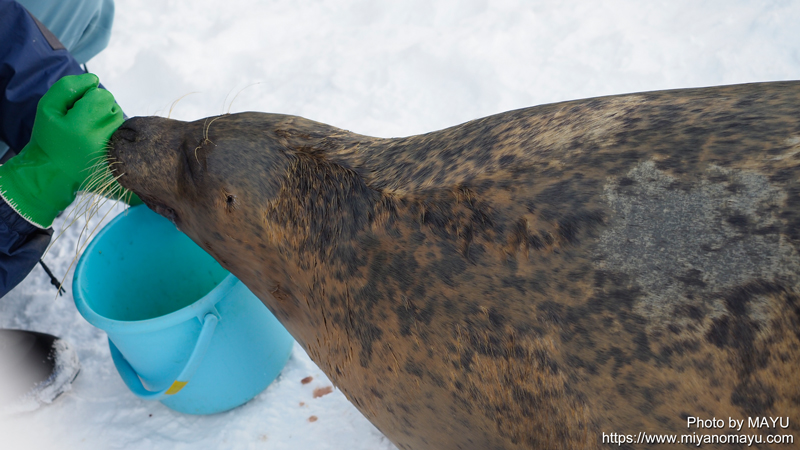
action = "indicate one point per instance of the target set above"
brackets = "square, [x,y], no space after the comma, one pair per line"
[74,120]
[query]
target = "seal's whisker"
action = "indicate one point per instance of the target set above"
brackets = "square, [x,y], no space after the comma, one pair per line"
[100,187]
[206,128]
[169,114]
[94,180]
[128,197]
[226,98]
[96,227]
[111,161]
[100,176]
[80,207]
[79,247]
[88,216]
[203,141]
[70,220]
[237,95]
[99,157]
[94,193]
[97,164]
[104,183]
[94,177]
[97,203]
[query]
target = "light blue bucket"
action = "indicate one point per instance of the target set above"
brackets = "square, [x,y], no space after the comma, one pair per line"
[181,329]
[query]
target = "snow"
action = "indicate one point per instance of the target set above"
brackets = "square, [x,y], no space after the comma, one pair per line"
[376,68]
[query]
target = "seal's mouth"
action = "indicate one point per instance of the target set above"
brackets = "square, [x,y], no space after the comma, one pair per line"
[161,209]
[167,212]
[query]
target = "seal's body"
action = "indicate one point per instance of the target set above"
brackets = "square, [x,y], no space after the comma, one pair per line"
[540,278]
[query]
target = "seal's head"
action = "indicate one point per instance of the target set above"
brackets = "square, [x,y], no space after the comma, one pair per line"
[252,189]
[179,168]
[192,174]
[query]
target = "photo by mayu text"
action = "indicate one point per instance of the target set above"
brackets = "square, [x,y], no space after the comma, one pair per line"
[769,433]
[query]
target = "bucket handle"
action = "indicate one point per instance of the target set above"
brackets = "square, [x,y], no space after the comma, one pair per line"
[131,379]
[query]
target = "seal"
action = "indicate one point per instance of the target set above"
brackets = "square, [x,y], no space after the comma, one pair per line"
[564,276]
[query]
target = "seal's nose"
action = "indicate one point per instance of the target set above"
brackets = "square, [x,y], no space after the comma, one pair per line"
[131,129]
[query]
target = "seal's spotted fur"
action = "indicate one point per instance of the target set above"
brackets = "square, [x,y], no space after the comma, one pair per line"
[527,280]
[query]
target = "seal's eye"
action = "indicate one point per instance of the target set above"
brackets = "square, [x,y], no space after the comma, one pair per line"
[230,202]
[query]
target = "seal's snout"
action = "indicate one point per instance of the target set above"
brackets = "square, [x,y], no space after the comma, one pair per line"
[120,145]
[128,150]
[133,145]
[140,159]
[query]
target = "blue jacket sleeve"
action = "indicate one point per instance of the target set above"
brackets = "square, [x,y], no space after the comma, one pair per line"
[21,246]
[31,60]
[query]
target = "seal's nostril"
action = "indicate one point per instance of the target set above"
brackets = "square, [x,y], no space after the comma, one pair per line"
[126,134]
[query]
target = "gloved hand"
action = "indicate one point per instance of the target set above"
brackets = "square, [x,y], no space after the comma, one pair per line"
[74,120]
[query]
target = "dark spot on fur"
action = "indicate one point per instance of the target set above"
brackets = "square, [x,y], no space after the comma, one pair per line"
[348,260]
[620,359]
[447,268]
[737,299]
[376,393]
[648,396]
[615,299]
[754,397]
[402,269]
[367,334]
[738,221]
[551,311]
[665,354]
[642,351]
[692,278]
[576,362]
[507,160]
[413,368]
[688,310]
[496,318]
[466,359]
[515,282]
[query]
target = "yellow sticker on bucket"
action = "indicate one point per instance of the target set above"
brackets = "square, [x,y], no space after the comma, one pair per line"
[176,387]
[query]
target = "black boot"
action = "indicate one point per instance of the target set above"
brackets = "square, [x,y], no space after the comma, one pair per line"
[35,368]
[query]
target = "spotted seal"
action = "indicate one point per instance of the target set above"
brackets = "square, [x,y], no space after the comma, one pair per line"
[547,278]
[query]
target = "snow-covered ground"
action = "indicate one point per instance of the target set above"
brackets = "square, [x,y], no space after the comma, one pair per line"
[383,68]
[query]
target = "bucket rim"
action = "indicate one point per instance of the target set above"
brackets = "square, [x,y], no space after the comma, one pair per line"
[198,309]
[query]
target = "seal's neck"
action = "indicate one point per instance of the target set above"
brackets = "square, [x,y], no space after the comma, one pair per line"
[321,201]
[446,159]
